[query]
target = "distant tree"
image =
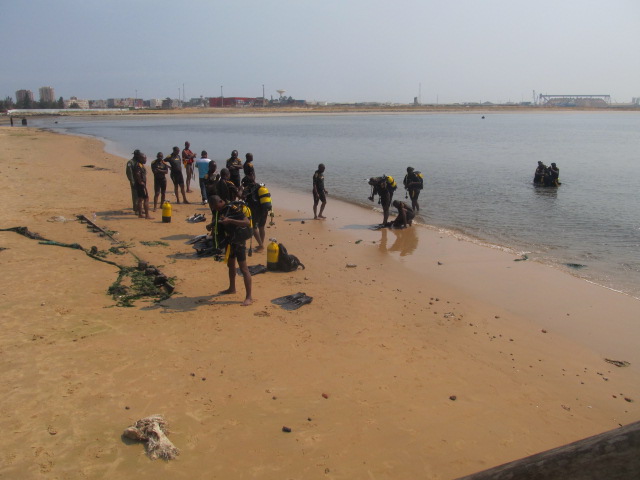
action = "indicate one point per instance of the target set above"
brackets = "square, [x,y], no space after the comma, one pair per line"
[74,105]
[60,103]
[25,103]
[6,104]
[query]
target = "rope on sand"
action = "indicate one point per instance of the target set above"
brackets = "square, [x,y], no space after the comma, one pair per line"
[146,280]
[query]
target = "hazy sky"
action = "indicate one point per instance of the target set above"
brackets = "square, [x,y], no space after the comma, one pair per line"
[333,50]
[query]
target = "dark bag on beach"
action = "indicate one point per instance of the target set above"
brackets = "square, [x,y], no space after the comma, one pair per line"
[286,261]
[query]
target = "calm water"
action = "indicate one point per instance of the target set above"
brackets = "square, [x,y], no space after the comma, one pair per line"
[478,172]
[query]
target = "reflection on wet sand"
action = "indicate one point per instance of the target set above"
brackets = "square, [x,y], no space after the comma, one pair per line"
[405,241]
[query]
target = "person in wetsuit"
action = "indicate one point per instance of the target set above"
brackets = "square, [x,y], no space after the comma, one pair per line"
[231,218]
[405,215]
[538,176]
[160,170]
[381,187]
[234,165]
[413,184]
[176,173]
[319,193]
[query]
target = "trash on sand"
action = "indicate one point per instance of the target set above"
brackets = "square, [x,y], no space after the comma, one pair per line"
[153,430]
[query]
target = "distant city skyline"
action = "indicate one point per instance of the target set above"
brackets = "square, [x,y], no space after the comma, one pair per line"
[336,51]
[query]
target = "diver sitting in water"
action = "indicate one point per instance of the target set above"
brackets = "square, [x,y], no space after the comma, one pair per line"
[538,176]
[553,175]
[547,176]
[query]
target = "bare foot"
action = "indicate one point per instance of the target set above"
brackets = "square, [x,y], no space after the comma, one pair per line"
[227,291]
[148,217]
[154,209]
[315,218]
[322,217]
[189,191]
[247,302]
[258,249]
[185,202]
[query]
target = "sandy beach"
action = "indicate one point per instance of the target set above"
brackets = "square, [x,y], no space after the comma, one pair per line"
[431,358]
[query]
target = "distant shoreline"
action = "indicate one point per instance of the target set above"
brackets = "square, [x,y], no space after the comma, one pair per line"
[330,110]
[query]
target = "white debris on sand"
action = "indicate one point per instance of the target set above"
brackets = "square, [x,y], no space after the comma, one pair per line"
[153,430]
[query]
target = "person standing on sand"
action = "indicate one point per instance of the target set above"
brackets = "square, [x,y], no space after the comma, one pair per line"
[227,190]
[176,173]
[380,186]
[140,176]
[232,218]
[202,164]
[132,181]
[319,193]
[248,167]
[188,159]
[160,170]
[234,165]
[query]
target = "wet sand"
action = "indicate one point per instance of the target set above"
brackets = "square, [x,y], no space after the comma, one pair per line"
[423,318]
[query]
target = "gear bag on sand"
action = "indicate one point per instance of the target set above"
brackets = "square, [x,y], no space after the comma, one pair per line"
[286,261]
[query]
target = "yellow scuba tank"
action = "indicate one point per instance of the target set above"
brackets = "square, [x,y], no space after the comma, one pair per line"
[166,212]
[391,182]
[273,252]
[264,196]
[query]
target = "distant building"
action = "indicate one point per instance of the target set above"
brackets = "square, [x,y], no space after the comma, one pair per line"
[121,102]
[171,103]
[232,102]
[47,94]
[153,103]
[21,95]
[97,104]
[75,102]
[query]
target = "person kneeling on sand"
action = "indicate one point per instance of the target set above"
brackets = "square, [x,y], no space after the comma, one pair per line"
[233,220]
[405,215]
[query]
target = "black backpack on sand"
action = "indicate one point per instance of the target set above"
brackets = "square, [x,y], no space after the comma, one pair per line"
[286,261]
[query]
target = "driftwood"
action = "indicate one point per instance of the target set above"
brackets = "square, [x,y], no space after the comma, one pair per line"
[83,219]
[613,455]
[153,430]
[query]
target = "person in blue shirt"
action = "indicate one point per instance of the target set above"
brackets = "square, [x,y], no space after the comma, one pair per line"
[202,164]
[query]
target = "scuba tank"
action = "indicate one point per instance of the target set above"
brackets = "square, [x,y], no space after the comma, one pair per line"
[273,252]
[166,212]
[264,196]
[391,182]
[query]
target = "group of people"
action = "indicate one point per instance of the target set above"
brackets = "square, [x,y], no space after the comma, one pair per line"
[240,207]
[385,186]
[547,176]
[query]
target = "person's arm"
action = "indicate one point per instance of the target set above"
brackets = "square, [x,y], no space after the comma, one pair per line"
[244,222]
[137,174]
[403,212]
[129,172]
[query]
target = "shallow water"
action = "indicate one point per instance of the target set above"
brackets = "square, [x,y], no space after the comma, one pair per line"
[478,172]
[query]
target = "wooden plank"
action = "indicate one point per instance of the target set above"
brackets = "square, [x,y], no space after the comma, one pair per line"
[613,455]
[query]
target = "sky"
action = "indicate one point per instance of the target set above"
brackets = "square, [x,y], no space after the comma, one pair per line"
[442,51]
